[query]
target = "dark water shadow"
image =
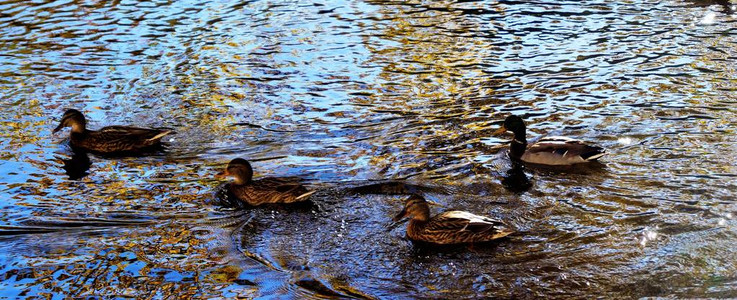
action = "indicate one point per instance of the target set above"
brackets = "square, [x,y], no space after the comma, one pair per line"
[392,188]
[36,226]
[336,289]
[424,249]
[155,150]
[592,168]
[78,165]
[726,5]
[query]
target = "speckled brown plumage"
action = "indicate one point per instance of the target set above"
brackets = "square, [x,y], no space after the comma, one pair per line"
[264,190]
[451,227]
[111,139]
[552,151]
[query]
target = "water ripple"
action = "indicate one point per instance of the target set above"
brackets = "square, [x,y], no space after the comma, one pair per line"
[344,93]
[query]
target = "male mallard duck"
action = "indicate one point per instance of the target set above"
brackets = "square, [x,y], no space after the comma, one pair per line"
[553,151]
[111,139]
[450,227]
[264,190]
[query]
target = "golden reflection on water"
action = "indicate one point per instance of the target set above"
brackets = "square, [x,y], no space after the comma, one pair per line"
[169,259]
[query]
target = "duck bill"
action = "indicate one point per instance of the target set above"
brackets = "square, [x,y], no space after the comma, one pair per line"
[57,128]
[400,216]
[500,131]
[222,175]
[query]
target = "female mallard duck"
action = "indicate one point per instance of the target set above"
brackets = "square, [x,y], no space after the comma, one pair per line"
[264,190]
[450,227]
[552,151]
[111,139]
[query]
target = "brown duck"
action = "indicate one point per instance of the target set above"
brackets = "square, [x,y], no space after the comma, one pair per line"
[551,151]
[264,190]
[450,227]
[111,139]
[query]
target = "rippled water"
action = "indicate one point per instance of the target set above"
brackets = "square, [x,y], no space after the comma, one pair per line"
[345,93]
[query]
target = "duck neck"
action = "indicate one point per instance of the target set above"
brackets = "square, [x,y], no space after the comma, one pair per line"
[78,127]
[518,145]
[415,226]
[238,180]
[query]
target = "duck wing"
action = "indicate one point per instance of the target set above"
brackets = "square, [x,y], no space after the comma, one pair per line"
[466,221]
[122,138]
[133,133]
[558,150]
[278,190]
[280,184]
[454,227]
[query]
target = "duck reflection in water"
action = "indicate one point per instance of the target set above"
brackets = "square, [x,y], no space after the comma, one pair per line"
[78,165]
[515,180]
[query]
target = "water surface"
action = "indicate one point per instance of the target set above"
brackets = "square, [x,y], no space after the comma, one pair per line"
[349,92]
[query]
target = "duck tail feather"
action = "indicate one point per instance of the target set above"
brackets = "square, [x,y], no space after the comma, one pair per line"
[160,135]
[594,154]
[305,195]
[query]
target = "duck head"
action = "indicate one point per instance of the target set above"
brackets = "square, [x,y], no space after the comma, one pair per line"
[72,118]
[515,124]
[239,169]
[416,208]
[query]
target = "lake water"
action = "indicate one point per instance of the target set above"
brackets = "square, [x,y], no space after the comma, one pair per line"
[345,93]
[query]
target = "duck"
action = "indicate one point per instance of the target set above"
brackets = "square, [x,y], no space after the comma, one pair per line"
[269,190]
[110,139]
[550,151]
[450,227]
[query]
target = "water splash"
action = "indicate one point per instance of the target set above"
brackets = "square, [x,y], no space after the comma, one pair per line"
[709,18]
[648,235]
